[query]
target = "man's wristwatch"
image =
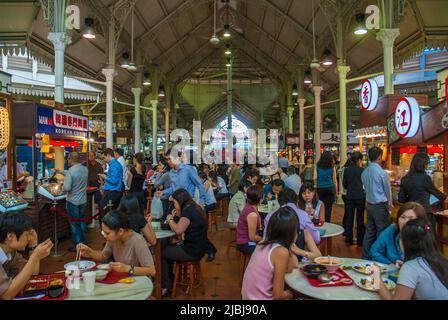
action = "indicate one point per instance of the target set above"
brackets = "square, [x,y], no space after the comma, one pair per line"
[131,271]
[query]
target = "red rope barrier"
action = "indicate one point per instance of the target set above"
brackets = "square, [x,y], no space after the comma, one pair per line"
[63,214]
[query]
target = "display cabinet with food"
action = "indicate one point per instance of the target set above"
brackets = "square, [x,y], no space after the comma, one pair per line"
[11,201]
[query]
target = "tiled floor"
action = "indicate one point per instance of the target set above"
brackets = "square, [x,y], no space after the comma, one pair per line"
[222,275]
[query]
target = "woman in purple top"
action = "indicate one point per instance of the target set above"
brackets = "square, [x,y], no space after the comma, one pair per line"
[264,278]
[249,222]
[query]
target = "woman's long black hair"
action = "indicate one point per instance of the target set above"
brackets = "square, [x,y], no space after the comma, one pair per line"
[185,200]
[326,160]
[129,204]
[282,228]
[418,164]
[419,241]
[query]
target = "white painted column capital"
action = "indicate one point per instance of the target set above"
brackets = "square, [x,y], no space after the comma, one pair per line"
[59,40]
[136,91]
[301,102]
[343,71]
[388,36]
[109,73]
[317,90]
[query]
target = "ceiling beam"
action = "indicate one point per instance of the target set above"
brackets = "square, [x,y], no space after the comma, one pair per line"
[184,75]
[282,24]
[187,60]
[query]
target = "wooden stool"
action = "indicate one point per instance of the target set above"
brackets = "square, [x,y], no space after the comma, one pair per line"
[189,274]
[212,220]
[232,243]
[244,260]
[223,207]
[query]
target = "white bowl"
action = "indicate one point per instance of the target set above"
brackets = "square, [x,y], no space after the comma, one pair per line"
[101,274]
[84,266]
[104,266]
[335,264]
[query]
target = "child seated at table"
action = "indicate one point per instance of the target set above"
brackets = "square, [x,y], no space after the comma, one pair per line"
[128,248]
[310,203]
[17,234]
[264,278]
[424,274]
[130,205]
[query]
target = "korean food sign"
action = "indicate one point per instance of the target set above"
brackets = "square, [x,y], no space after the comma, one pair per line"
[59,123]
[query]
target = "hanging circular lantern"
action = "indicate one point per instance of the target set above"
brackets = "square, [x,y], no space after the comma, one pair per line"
[4,128]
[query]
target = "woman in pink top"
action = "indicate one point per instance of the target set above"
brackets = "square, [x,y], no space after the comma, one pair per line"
[264,278]
[249,222]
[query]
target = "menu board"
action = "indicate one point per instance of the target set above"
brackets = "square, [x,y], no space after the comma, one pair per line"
[396,156]
[392,135]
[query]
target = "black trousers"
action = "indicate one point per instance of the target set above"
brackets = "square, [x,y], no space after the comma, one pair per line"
[246,248]
[170,254]
[355,207]
[327,196]
[378,219]
[344,218]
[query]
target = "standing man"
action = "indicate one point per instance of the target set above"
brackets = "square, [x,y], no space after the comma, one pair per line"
[119,155]
[95,169]
[379,199]
[283,163]
[113,182]
[75,184]
[293,180]
[234,180]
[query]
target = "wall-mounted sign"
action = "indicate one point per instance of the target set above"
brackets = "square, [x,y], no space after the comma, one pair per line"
[4,128]
[369,95]
[59,123]
[407,117]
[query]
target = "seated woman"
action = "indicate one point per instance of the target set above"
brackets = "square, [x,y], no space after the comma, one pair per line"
[127,248]
[424,274]
[129,204]
[264,278]
[219,185]
[310,203]
[17,234]
[237,203]
[249,222]
[386,249]
[192,224]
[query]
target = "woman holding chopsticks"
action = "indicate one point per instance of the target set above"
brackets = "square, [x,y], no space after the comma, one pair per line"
[128,248]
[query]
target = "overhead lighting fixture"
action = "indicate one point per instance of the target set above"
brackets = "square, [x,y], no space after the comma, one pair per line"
[89,32]
[276,105]
[360,28]
[228,52]
[229,62]
[125,63]
[328,60]
[132,67]
[161,91]
[295,93]
[227,33]
[147,79]
[307,79]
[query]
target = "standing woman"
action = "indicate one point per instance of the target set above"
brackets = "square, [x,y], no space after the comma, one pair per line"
[308,172]
[327,187]
[192,224]
[417,186]
[136,181]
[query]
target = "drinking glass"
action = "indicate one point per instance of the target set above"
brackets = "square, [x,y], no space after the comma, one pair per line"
[89,281]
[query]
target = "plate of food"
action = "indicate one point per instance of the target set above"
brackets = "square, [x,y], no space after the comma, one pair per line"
[369,284]
[366,267]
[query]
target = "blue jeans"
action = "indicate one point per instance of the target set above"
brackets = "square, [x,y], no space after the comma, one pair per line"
[79,229]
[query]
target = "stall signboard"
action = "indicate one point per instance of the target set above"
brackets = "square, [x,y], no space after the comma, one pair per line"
[292,139]
[335,138]
[407,117]
[59,123]
[369,95]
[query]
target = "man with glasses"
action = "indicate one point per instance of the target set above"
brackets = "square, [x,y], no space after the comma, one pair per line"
[113,182]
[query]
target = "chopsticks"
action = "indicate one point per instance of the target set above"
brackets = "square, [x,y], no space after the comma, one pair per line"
[78,257]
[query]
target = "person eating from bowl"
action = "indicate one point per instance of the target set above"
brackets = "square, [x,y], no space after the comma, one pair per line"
[17,234]
[128,248]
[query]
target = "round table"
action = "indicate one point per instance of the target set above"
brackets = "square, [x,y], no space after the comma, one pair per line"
[297,281]
[160,234]
[141,289]
[331,230]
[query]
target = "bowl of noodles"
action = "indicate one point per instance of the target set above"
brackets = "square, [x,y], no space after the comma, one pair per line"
[331,263]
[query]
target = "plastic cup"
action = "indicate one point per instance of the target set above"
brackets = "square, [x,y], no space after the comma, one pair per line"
[89,281]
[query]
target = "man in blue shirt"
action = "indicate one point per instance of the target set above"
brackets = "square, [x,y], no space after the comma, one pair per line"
[283,163]
[182,176]
[378,197]
[113,182]
[293,181]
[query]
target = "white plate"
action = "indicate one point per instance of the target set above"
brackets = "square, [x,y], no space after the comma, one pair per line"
[387,282]
[363,265]
[84,265]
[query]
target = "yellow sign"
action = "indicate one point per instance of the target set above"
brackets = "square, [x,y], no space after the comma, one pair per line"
[49,103]
[4,128]
[85,146]
[45,143]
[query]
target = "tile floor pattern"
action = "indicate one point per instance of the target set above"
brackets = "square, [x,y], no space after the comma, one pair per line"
[221,276]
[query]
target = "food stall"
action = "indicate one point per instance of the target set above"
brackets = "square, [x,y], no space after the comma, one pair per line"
[42,138]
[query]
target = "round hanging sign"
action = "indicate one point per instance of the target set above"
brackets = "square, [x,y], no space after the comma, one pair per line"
[369,95]
[407,117]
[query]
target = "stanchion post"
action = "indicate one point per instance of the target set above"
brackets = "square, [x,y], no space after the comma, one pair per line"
[55,253]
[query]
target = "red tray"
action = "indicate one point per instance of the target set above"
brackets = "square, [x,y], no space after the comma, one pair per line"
[113,277]
[42,286]
[340,274]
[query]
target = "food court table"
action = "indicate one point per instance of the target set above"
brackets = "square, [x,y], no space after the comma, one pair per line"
[141,289]
[160,234]
[331,230]
[297,281]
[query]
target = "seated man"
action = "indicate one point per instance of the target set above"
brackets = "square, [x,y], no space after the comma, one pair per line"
[17,234]
[272,190]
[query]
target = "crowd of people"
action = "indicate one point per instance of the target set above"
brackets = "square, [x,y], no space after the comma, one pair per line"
[299,202]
